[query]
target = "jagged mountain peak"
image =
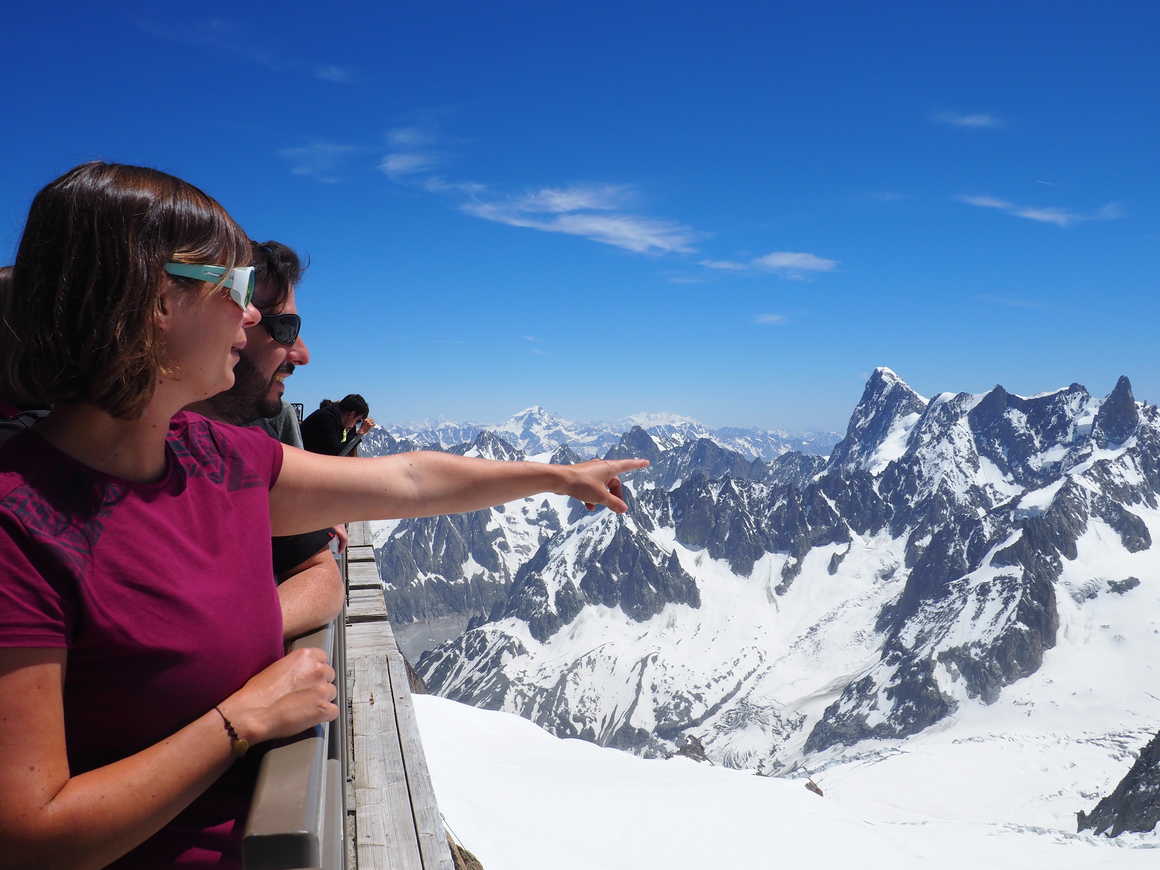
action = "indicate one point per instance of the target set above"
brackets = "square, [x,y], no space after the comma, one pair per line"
[1118,415]
[881,420]
[533,412]
[635,443]
[491,446]
[648,419]
[885,374]
[883,380]
[564,455]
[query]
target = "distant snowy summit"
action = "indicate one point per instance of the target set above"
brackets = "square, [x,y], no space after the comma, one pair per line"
[536,430]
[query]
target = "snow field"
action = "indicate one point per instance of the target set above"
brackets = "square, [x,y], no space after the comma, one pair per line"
[521,799]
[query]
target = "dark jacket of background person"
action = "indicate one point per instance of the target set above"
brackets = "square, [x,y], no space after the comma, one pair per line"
[14,420]
[322,432]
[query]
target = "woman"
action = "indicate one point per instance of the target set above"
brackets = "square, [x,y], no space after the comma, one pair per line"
[140,636]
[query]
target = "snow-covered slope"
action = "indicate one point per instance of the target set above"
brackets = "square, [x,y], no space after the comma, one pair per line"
[963,798]
[951,551]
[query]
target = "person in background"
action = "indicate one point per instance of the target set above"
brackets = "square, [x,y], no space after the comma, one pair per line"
[336,428]
[310,588]
[13,419]
[141,651]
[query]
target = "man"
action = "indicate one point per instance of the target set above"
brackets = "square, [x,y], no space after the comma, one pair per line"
[336,428]
[310,588]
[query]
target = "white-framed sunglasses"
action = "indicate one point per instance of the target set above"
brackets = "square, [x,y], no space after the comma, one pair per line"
[239,281]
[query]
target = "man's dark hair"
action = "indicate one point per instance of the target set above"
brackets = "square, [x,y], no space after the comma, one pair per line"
[354,402]
[276,269]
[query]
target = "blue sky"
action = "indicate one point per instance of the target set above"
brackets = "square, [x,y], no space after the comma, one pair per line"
[732,211]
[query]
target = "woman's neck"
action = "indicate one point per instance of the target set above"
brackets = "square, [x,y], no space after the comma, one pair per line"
[128,449]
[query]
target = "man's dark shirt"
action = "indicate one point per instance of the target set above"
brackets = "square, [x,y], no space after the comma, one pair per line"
[293,550]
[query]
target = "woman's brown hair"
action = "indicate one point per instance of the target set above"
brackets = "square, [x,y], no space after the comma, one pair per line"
[78,322]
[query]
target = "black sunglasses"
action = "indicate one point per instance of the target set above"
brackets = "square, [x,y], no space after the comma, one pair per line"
[283,328]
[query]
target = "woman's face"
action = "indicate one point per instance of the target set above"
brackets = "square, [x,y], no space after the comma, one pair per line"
[203,340]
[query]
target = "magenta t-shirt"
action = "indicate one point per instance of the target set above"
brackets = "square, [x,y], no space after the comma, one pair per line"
[161,592]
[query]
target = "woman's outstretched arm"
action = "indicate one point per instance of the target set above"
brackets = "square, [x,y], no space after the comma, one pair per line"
[315,491]
[50,819]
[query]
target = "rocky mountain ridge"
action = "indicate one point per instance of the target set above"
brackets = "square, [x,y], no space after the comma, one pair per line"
[536,431]
[922,568]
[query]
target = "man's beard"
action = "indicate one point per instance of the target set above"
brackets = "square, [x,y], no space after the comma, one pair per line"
[249,398]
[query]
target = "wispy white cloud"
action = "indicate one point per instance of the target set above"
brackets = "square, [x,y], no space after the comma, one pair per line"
[339,75]
[724,265]
[639,234]
[976,121]
[580,197]
[1060,217]
[796,261]
[769,319]
[789,264]
[1110,211]
[987,202]
[594,211]
[532,339]
[410,137]
[319,160]
[407,163]
[228,36]
[439,184]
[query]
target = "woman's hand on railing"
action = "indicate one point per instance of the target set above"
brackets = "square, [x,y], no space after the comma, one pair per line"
[295,693]
[598,482]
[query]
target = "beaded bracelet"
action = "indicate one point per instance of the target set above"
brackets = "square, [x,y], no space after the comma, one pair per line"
[238,745]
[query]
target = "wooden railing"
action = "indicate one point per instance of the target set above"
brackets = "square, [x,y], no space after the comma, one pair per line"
[397,822]
[356,794]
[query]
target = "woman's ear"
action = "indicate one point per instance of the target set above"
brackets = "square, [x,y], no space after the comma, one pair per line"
[166,303]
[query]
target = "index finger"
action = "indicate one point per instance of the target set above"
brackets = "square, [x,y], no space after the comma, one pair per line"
[619,466]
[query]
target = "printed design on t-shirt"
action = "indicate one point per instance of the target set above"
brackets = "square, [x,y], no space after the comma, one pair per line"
[203,455]
[69,530]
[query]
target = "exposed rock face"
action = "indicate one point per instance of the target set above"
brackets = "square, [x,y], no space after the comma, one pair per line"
[489,446]
[564,455]
[1134,805]
[423,560]
[935,535]
[885,402]
[466,563]
[794,469]
[616,565]
[380,442]
[1118,416]
[635,444]
[706,458]
[463,563]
